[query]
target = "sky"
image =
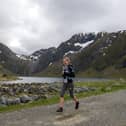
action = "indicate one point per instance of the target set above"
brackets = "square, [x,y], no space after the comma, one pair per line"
[30,25]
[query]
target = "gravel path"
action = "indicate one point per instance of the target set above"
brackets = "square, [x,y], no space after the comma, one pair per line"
[104,110]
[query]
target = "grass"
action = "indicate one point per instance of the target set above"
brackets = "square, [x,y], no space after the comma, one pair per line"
[101,88]
[109,72]
[8,78]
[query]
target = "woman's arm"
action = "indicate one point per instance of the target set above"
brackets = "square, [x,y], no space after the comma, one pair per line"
[71,71]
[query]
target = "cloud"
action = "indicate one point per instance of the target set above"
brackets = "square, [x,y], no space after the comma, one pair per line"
[28,25]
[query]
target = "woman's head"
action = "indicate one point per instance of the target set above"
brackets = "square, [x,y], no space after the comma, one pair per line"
[66,61]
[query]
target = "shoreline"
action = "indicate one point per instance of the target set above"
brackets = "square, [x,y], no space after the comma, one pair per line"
[50,80]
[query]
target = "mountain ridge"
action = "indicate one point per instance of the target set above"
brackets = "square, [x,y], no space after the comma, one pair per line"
[89,52]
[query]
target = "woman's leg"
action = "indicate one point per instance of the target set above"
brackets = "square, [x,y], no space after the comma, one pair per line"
[61,104]
[64,88]
[75,99]
[71,91]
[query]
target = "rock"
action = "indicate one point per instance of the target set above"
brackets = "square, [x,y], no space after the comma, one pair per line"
[3,100]
[11,92]
[10,101]
[93,88]
[35,97]
[17,101]
[31,92]
[52,89]
[25,99]
[55,89]
[43,96]
[5,89]
[25,90]
[81,89]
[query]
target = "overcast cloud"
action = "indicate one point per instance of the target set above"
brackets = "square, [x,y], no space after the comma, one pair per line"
[29,25]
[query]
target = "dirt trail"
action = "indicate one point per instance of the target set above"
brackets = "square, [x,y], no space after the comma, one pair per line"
[104,110]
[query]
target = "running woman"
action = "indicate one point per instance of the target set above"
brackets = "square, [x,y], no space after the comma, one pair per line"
[68,75]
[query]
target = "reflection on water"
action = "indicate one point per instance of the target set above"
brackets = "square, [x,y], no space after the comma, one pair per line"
[49,80]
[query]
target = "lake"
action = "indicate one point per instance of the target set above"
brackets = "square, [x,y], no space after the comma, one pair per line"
[50,80]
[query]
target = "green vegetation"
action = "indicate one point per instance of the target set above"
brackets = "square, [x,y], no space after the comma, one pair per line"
[109,72]
[101,88]
[6,74]
[109,59]
[7,78]
[53,70]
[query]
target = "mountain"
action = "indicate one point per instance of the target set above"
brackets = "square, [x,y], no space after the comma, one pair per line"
[46,57]
[92,54]
[104,55]
[107,55]
[11,62]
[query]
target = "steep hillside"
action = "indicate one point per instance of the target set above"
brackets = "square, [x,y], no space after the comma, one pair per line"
[46,57]
[9,61]
[106,56]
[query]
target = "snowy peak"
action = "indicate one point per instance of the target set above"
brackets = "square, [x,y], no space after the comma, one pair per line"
[82,38]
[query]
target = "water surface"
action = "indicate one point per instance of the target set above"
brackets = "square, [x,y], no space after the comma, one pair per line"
[50,80]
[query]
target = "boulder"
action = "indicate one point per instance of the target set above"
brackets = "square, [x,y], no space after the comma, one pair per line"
[11,92]
[10,101]
[81,89]
[93,88]
[25,99]
[3,100]
[43,96]
[17,101]
[35,97]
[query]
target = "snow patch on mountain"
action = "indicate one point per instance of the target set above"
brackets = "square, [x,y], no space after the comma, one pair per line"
[50,63]
[84,45]
[70,52]
[114,36]
[68,43]
[24,57]
[34,57]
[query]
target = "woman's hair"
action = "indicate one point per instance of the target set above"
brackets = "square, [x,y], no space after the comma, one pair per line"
[67,58]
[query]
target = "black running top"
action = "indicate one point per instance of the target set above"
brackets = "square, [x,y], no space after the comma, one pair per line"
[68,72]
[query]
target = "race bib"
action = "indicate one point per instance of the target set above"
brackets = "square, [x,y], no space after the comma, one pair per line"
[65,81]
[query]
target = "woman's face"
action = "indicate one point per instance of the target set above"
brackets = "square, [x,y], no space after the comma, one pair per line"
[66,62]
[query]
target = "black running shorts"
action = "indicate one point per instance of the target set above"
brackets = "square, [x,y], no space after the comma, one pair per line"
[67,86]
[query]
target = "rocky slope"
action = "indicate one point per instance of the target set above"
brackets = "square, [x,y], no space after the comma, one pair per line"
[104,54]
[9,61]
[46,57]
